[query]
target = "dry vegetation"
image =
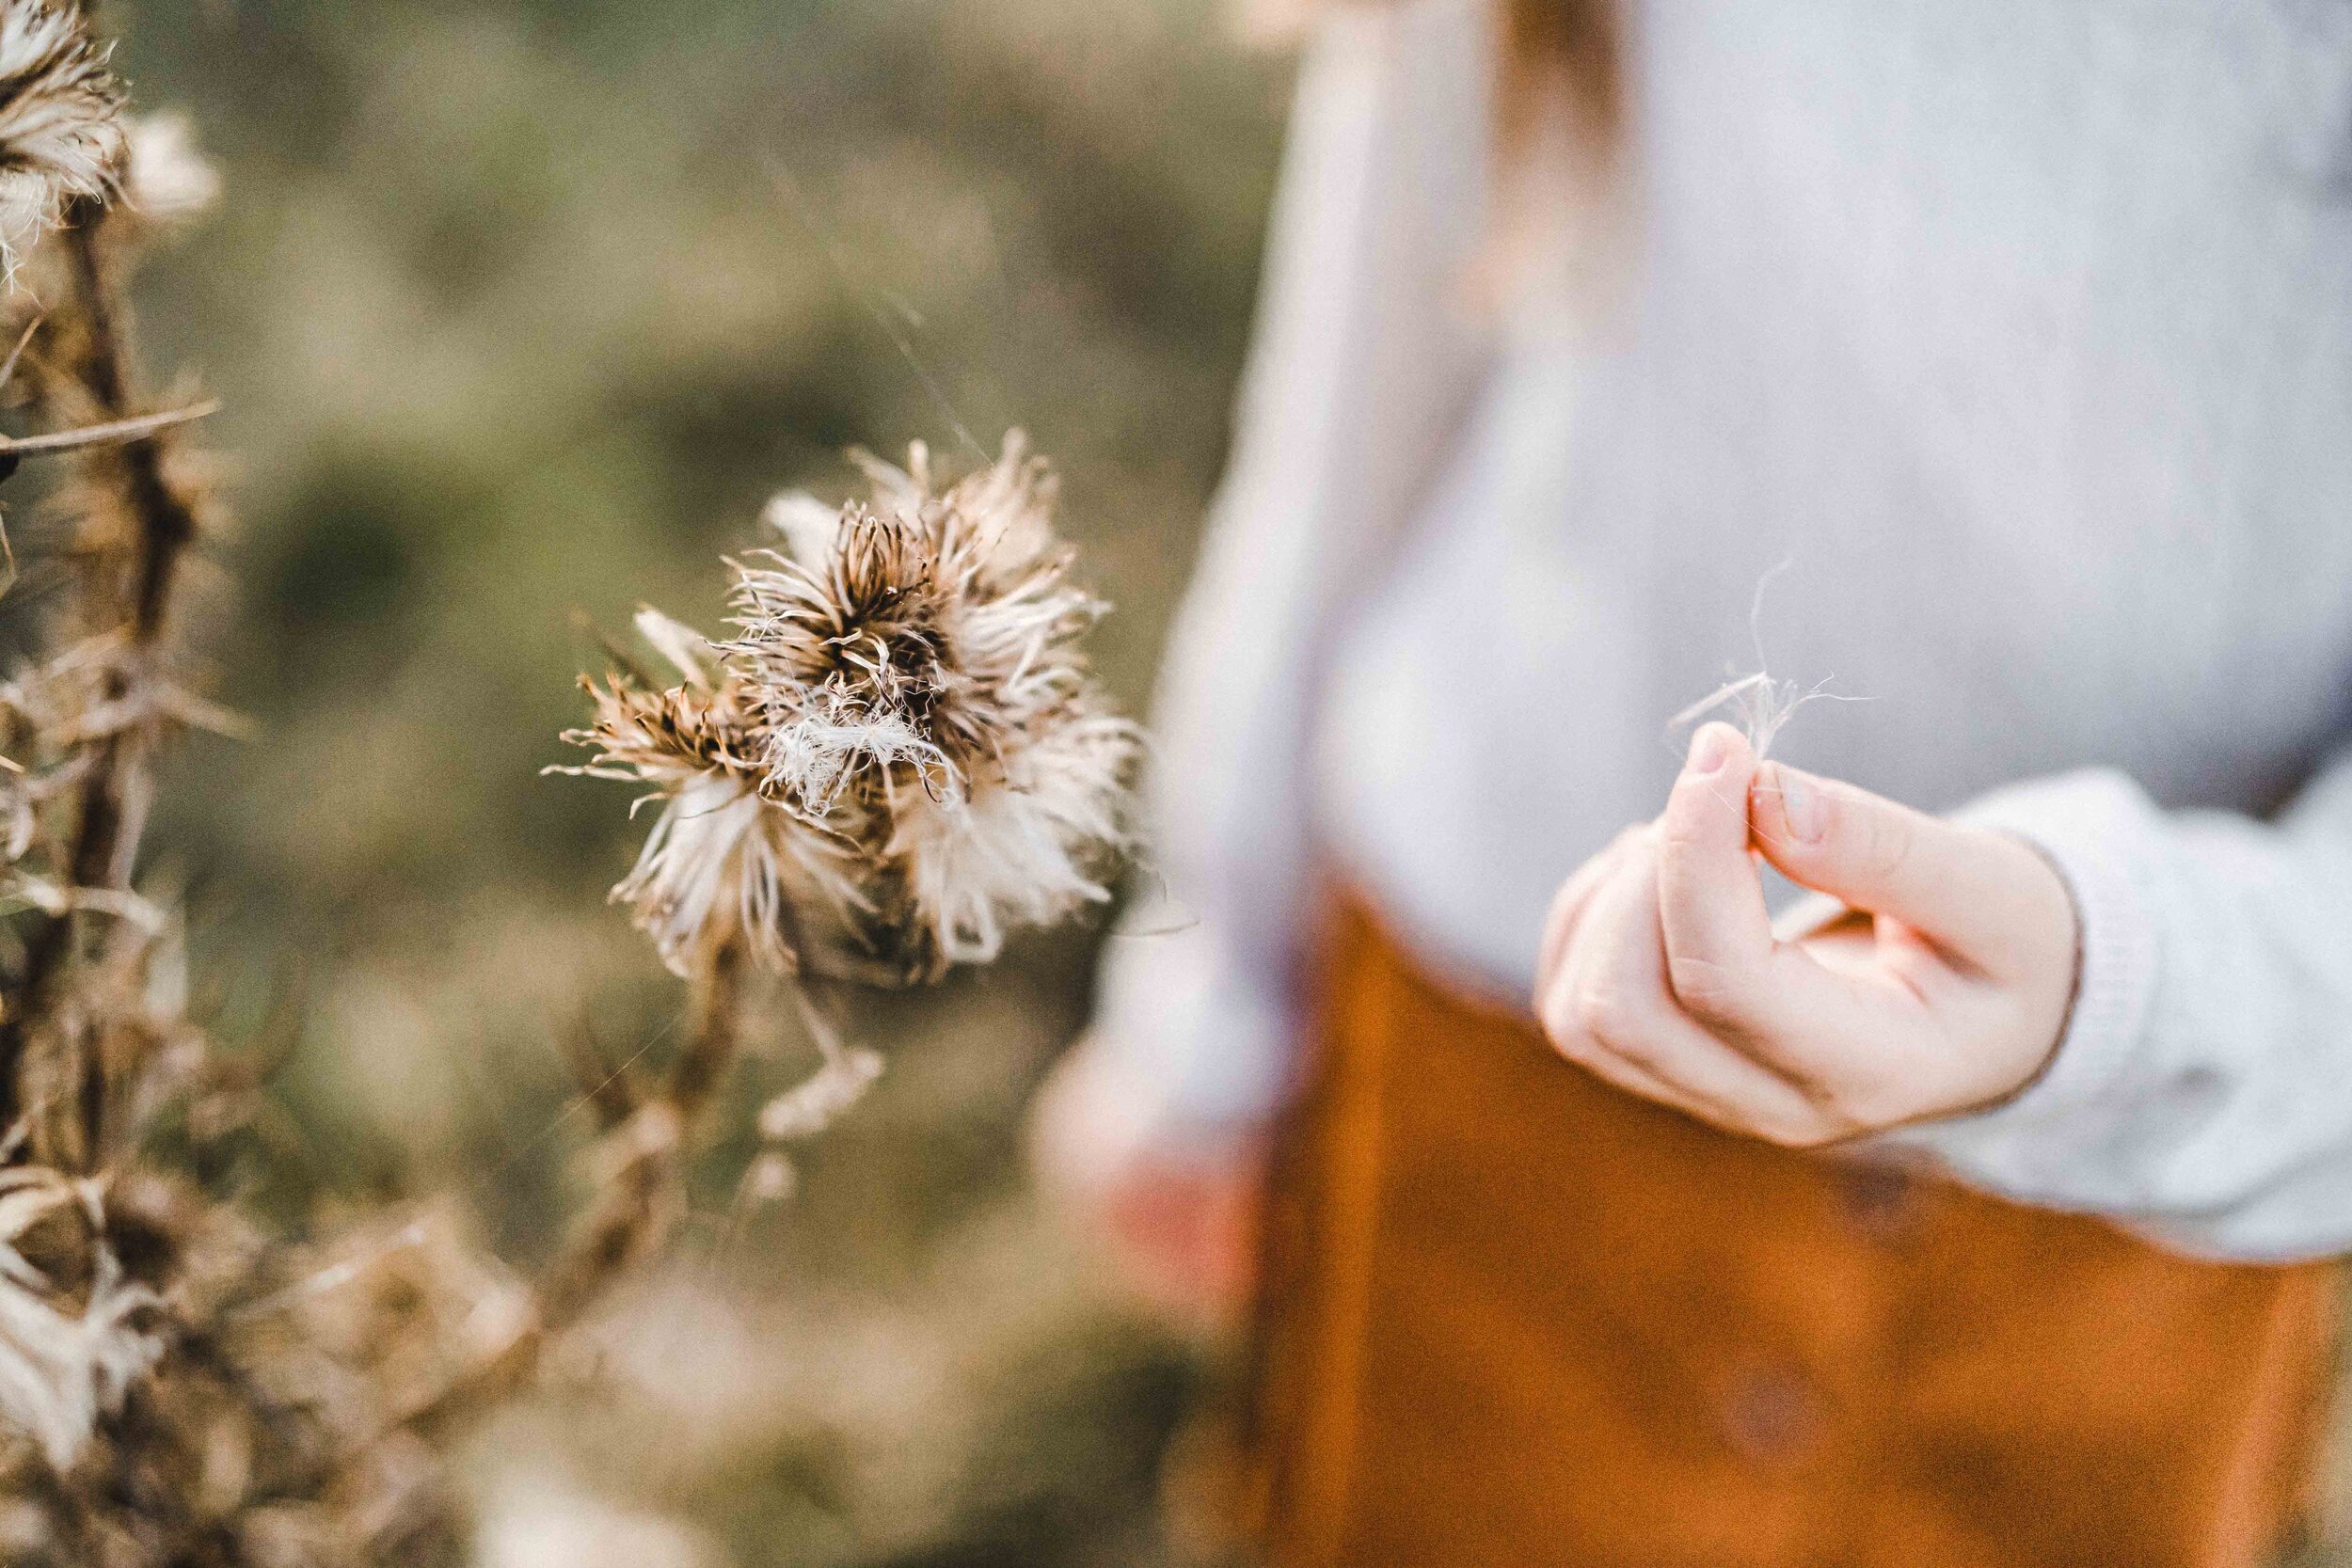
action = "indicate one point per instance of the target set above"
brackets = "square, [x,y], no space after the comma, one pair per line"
[899,759]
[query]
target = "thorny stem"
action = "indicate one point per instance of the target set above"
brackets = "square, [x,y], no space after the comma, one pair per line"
[639,1206]
[702,1067]
[637,1209]
[166,525]
[111,807]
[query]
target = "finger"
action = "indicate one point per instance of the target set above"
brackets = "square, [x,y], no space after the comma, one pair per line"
[1765,998]
[1574,897]
[1560,1003]
[1617,1018]
[1798,1124]
[1623,1072]
[1969,891]
[1577,1005]
[1556,983]
[1710,899]
[1649,1028]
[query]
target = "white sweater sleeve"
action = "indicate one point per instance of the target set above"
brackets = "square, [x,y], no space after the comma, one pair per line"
[2203,1090]
[1378,209]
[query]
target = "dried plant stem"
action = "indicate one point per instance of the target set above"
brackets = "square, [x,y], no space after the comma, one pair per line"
[904,758]
[711,1050]
[111,807]
[639,1201]
[166,525]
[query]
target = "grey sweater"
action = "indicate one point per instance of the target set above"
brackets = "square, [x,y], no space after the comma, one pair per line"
[2012,343]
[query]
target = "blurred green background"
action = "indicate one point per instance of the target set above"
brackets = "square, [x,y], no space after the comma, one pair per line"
[522,309]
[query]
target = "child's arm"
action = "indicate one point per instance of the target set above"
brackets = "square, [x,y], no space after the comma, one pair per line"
[2172,1044]
[1361,366]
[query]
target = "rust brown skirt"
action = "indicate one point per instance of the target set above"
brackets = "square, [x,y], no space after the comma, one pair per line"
[1513,1317]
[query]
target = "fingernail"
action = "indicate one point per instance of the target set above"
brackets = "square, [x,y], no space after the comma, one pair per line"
[1708,750]
[1800,805]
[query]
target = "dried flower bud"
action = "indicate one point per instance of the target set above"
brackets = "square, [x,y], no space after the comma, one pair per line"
[770,1179]
[167,181]
[720,863]
[924,693]
[902,755]
[818,1101]
[60,131]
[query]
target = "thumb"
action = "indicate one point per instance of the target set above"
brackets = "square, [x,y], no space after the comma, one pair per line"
[1710,902]
[1968,890]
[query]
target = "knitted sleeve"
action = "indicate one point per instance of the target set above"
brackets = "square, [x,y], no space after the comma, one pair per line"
[1362,356]
[2203,1090]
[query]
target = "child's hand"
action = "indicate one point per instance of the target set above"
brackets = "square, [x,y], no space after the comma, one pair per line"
[1180,1226]
[1661,972]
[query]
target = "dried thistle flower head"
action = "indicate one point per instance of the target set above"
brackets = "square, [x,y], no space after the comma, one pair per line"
[61,134]
[715,867]
[924,693]
[901,756]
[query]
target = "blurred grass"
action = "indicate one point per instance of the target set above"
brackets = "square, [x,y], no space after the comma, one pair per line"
[521,310]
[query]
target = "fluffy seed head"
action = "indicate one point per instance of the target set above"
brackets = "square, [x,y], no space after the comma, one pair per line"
[901,756]
[720,864]
[61,134]
[919,673]
[168,180]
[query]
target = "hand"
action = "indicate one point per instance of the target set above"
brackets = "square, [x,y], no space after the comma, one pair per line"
[1944,990]
[1181,1225]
